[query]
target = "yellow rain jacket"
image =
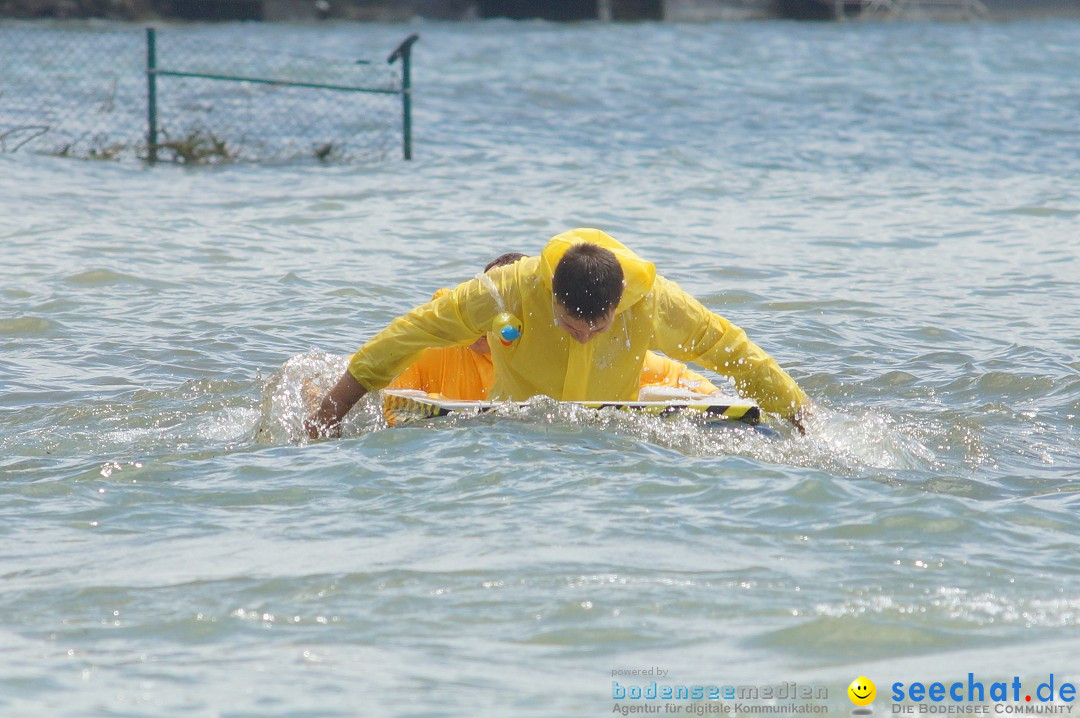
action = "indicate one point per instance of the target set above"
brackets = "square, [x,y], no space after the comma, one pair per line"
[653,313]
[461,373]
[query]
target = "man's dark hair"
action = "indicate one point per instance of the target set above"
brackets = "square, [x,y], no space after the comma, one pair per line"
[504,259]
[588,281]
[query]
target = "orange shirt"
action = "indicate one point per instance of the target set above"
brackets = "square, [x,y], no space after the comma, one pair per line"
[451,372]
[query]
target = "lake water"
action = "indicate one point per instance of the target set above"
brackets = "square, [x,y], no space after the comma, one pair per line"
[891,210]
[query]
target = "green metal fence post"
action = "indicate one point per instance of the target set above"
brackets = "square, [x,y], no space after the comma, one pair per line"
[406,105]
[151,95]
[404,51]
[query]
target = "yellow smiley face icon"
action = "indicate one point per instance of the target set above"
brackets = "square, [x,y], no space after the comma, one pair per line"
[862,691]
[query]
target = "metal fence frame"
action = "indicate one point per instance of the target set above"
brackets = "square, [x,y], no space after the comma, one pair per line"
[403,52]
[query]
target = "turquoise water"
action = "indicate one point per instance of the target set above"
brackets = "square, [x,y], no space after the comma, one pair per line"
[890,209]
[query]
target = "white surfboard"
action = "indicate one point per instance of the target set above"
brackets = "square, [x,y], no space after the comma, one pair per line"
[404,405]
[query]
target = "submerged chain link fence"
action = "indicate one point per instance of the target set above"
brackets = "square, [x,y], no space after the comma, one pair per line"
[72,92]
[129,93]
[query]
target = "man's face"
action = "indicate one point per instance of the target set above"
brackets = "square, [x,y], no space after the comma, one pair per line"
[480,346]
[582,330]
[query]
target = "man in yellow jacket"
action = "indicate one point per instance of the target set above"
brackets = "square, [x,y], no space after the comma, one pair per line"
[589,309]
[467,372]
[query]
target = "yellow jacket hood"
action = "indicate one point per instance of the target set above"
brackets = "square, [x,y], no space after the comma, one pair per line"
[638,275]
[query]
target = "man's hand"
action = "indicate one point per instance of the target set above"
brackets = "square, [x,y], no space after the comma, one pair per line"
[325,423]
[802,417]
[315,429]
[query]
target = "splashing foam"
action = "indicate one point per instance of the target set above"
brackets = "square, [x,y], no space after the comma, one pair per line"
[294,392]
[836,441]
[864,440]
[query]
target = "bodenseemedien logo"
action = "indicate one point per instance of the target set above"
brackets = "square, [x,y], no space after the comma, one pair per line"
[776,699]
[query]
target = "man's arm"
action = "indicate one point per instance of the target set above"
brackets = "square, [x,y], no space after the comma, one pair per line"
[458,317]
[326,421]
[688,331]
[664,371]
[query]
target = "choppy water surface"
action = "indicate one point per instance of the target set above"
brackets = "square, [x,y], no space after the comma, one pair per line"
[891,210]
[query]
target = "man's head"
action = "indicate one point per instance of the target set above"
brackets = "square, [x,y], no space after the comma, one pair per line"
[504,259]
[587,285]
[480,346]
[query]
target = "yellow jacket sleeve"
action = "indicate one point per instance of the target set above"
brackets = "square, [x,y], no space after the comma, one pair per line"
[459,317]
[688,331]
[662,371]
